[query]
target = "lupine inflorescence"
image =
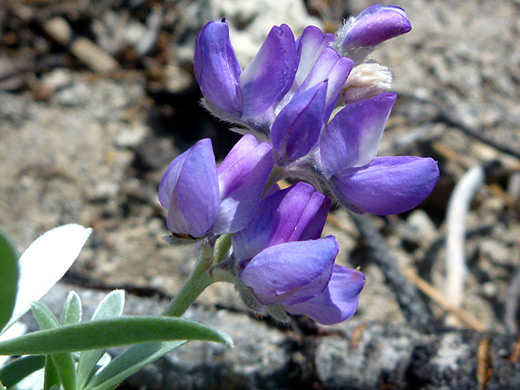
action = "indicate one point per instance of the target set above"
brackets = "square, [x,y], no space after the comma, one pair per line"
[312,109]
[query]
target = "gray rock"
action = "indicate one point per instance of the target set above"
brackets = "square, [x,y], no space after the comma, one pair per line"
[419,229]
[57,79]
[73,96]
[130,138]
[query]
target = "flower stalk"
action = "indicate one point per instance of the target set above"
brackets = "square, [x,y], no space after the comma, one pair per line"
[198,280]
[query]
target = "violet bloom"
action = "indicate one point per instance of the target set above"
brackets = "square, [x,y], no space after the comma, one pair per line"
[359,180]
[248,96]
[296,90]
[288,92]
[341,158]
[282,260]
[283,68]
[376,24]
[323,65]
[202,199]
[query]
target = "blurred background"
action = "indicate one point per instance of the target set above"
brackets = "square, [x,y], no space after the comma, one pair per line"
[97,97]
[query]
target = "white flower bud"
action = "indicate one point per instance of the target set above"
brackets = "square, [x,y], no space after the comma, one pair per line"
[366,80]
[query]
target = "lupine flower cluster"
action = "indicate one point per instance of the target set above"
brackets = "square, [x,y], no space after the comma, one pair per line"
[312,109]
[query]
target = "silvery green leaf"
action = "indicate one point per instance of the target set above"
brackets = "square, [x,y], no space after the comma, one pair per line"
[8,278]
[129,362]
[17,370]
[45,262]
[71,309]
[63,361]
[110,307]
[51,379]
[17,329]
[112,332]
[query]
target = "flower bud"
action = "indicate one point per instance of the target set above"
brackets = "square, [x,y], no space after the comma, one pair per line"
[366,80]
[189,191]
[202,199]
[374,25]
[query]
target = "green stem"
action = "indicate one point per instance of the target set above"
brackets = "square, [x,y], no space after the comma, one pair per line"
[196,283]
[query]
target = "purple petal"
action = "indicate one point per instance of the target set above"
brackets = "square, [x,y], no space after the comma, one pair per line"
[189,190]
[337,78]
[296,213]
[352,137]
[278,272]
[332,68]
[217,69]
[310,45]
[375,25]
[312,220]
[170,178]
[297,127]
[242,177]
[388,185]
[321,69]
[271,73]
[337,302]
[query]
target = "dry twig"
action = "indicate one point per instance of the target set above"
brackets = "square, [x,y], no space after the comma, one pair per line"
[511,309]
[484,368]
[435,295]
[453,119]
[458,207]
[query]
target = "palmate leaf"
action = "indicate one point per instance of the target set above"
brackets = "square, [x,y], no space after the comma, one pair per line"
[129,362]
[8,278]
[113,332]
[63,361]
[110,307]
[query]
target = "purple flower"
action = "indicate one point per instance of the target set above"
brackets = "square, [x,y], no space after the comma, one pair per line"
[374,25]
[282,70]
[242,177]
[246,96]
[202,199]
[291,272]
[338,302]
[297,213]
[283,261]
[298,126]
[289,91]
[318,83]
[359,180]
[189,191]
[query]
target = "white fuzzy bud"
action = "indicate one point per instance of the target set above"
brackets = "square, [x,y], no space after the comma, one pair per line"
[366,80]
